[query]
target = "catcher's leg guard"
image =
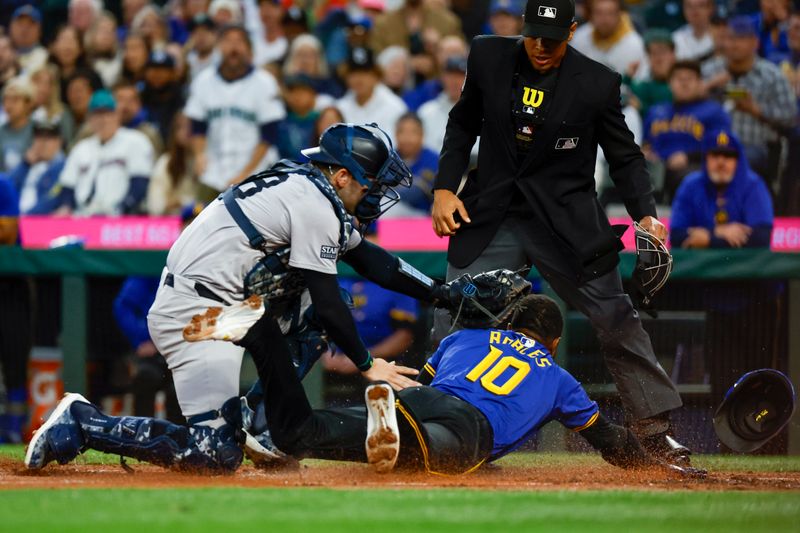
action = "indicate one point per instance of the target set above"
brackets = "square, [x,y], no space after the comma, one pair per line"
[158,441]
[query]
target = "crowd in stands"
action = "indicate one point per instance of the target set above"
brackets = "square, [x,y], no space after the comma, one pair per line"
[114,107]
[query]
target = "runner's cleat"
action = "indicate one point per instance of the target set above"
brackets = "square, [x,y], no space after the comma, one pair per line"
[60,437]
[229,323]
[383,435]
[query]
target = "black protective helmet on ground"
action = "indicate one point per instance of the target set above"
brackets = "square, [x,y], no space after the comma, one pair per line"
[366,152]
[754,410]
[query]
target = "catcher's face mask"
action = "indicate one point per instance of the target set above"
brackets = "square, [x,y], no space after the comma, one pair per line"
[653,264]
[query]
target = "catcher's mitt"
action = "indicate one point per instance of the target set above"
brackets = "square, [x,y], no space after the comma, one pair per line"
[486,300]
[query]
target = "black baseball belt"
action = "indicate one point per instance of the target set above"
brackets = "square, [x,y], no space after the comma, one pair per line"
[200,289]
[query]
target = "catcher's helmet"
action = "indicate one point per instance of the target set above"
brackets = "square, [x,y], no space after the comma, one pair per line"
[488,299]
[754,410]
[653,264]
[366,152]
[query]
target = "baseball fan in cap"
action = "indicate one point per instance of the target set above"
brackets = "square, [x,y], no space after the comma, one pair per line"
[725,204]
[541,110]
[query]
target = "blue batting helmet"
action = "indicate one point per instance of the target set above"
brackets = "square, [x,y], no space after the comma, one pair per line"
[366,152]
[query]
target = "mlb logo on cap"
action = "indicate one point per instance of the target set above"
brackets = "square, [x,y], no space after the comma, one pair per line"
[547,12]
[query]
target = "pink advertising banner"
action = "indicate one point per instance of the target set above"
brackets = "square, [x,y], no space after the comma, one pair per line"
[158,233]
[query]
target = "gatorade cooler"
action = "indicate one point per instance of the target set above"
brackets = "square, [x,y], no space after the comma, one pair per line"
[45,385]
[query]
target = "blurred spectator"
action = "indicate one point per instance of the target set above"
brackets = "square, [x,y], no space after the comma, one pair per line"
[26,34]
[724,205]
[394,64]
[423,163]
[133,116]
[296,131]
[263,21]
[162,94]
[150,373]
[174,180]
[675,130]
[762,101]
[9,68]
[664,14]
[505,17]
[235,111]
[80,87]
[294,23]
[37,173]
[407,25]
[327,118]
[150,24]
[66,52]
[788,199]
[434,113]
[610,38]
[693,41]
[130,8]
[83,13]
[225,12]
[17,132]
[202,40]
[654,87]
[367,99]
[341,32]
[102,48]
[720,34]
[47,101]
[306,57]
[106,174]
[16,326]
[771,22]
[448,47]
[135,53]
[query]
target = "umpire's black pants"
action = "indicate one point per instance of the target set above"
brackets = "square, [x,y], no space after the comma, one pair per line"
[644,387]
[438,432]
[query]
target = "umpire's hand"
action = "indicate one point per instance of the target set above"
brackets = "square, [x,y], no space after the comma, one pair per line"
[654,227]
[445,205]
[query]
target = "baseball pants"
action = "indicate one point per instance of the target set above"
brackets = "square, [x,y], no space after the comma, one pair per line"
[643,385]
[205,373]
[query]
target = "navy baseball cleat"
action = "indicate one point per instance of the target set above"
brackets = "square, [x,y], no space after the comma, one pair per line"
[383,435]
[60,437]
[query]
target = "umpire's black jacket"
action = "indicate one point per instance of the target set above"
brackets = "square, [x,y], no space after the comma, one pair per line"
[556,178]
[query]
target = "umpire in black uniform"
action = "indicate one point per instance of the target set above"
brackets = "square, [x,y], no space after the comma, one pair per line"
[541,108]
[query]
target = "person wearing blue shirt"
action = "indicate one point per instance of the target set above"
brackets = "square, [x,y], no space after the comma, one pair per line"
[423,163]
[296,131]
[724,205]
[38,172]
[489,391]
[674,130]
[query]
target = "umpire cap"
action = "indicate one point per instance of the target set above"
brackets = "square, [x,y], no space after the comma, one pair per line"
[754,410]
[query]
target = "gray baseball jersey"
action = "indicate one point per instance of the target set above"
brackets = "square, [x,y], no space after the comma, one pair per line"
[214,251]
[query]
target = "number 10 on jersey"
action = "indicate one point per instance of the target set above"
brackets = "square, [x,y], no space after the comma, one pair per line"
[495,370]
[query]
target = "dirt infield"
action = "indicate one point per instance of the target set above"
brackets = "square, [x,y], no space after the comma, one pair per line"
[341,475]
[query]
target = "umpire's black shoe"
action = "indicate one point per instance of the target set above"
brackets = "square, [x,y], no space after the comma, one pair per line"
[664,446]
